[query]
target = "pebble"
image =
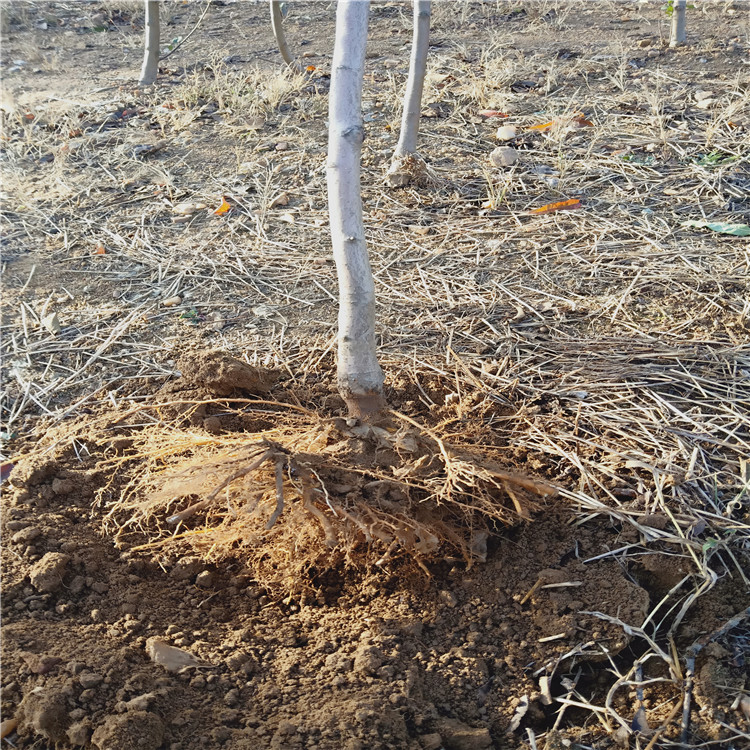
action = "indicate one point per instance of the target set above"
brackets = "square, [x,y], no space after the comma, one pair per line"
[504,156]
[16,525]
[188,208]
[505,133]
[232,698]
[204,579]
[701,94]
[172,301]
[52,323]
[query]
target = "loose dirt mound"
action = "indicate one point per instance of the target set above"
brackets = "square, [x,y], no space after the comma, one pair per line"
[377,653]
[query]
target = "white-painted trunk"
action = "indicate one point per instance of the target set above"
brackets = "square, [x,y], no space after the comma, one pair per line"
[150,67]
[277,24]
[407,165]
[360,379]
[407,142]
[679,34]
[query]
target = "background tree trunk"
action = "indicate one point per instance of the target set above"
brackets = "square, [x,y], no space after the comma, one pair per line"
[678,35]
[407,142]
[150,67]
[277,24]
[360,379]
[407,165]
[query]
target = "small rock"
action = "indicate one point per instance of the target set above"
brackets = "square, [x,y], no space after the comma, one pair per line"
[172,301]
[101,587]
[645,43]
[232,698]
[46,575]
[171,658]
[188,209]
[705,103]
[16,525]
[700,95]
[504,156]
[89,679]
[204,579]
[282,146]
[505,133]
[52,323]
[26,536]
[77,585]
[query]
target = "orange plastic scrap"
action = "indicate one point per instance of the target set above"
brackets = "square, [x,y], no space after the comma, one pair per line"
[577,120]
[544,126]
[223,208]
[559,206]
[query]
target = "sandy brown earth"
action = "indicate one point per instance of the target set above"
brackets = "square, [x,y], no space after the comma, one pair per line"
[601,354]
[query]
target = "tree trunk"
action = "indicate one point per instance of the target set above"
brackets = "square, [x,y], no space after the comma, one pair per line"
[360,379]
[407,165]
[151,52]
[679,35]
[277,24]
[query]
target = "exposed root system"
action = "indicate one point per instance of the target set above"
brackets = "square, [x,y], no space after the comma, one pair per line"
[310,495]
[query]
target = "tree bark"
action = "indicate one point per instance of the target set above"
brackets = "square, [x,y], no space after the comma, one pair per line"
[277,24]
[150,67]
[360,379]
[679,34]
[407,165]
[407,142]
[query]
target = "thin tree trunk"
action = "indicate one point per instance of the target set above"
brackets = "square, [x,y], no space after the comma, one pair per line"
[360,379]
[277,24]
[407,142]
[150,67]
[407,165]
[678,35]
